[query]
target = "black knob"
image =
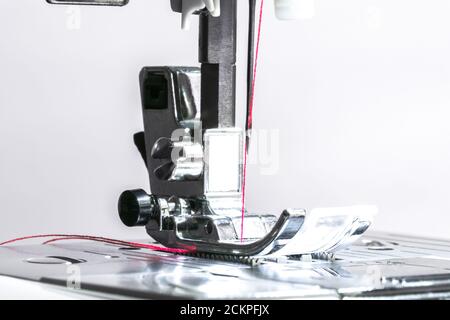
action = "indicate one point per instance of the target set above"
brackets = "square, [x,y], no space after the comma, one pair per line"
[136,208]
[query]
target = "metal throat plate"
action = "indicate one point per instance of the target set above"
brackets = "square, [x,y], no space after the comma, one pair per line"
[377,266]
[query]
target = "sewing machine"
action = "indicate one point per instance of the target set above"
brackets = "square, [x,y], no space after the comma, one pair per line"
[196,158]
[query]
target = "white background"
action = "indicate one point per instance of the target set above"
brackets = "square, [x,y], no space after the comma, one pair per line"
[360,94]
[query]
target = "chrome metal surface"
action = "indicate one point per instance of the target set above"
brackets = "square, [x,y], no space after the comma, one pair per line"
[187,157]
[378,266]
[194,224]
[187,84]
[192,232]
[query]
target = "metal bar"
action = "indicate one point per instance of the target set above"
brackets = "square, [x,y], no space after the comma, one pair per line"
[217,54]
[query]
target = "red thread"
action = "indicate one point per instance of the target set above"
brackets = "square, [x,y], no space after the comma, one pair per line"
[250,117]
[61,237]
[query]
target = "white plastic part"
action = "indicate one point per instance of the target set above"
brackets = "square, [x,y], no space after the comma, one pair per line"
[209,5]
[191,6]
[294,9]
[188,8]
[216,11]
